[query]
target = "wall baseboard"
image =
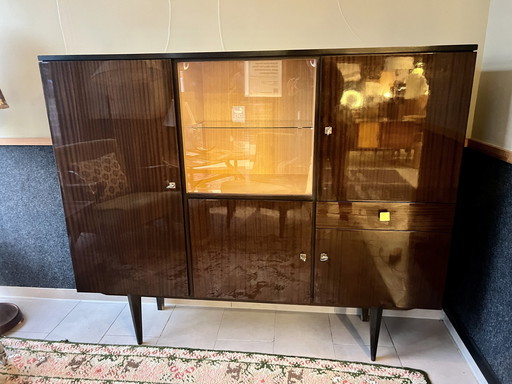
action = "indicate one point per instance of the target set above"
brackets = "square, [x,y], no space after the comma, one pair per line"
[477,372]
[26,141]
[72,294]
[490,150]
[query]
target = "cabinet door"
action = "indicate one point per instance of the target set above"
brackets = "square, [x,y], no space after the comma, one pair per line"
[115,145]
[251,250]
[390,269]
[397,123]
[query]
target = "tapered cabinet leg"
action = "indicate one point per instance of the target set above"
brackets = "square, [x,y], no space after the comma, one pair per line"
[375,320]
[160,302]
[136,310]
[364,314]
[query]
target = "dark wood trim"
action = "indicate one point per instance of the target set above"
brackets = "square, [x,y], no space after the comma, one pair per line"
[184,195]
[264,54]
[490,150]
[232,196]
[473,349]
[26,141]
[316,171]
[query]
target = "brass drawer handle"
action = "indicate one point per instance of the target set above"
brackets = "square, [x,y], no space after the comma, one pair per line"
[384,216]
[324,256]
[303,257]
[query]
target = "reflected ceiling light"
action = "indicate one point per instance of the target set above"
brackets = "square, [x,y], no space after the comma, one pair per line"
[352,99]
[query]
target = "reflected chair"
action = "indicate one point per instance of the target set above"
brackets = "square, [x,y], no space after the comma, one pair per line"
[100,196]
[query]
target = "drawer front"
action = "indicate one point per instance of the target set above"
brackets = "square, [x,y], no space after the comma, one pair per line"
[385,216]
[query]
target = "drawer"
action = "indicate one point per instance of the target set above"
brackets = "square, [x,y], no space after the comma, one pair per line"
[386,216]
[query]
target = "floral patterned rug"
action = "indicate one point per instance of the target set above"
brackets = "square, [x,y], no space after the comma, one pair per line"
[35,361]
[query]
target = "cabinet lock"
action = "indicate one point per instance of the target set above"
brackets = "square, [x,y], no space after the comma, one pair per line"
[324,256]
[303,257]
[328,131]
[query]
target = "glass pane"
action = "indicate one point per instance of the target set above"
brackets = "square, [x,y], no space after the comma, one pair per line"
[248,126]
[378,108]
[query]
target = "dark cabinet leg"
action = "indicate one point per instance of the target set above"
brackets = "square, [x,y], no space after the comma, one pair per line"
[364,314]
[136,310]
[375,320]
[160,303]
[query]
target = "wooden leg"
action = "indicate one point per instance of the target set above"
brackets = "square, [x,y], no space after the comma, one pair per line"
[136,310]
[160,303]
[375,320]
[364,314]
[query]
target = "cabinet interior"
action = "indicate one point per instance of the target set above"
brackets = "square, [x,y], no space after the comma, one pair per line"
[248,125]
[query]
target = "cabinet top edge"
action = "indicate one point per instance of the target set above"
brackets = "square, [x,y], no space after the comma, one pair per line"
[262,54]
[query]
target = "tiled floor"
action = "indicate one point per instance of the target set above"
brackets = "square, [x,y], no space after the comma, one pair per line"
[416,343]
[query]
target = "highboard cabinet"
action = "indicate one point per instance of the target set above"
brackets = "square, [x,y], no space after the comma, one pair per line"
[319,177]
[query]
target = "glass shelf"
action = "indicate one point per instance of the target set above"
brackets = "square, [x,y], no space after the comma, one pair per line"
[252,125]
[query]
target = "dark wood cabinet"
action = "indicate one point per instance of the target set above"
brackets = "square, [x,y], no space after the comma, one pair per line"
[324,177]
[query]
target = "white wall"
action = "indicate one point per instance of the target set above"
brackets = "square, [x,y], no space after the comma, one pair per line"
[493,116]
[29,28]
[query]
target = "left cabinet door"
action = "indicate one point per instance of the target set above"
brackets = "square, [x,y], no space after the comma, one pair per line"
[115,144]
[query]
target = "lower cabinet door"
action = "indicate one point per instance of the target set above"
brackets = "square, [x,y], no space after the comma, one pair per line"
[251,250]
[391,269]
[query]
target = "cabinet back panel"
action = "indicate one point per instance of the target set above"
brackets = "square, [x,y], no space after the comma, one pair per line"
[116,152]
[250,250]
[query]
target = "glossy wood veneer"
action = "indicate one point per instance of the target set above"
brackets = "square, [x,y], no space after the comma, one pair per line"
[389,269]
[133,240]
[403,216]
[399,161]
[250,249]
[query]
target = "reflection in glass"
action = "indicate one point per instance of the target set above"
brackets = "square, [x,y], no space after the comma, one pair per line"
[248,126]
[381,108]
[116,150]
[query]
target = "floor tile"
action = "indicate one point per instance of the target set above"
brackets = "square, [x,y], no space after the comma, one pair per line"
[26,335]
[441,372]
[87,322]
[303,334]
[349,329]
[153,321]
[423,339]
[127,340]
[245,346]
[41,315]
[249,325]
[192,327]
[361,353]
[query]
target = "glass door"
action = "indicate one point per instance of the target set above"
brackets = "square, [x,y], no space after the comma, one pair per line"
[248,126]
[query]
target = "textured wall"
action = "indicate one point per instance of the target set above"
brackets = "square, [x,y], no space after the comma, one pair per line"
[33,243]
[479,293]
